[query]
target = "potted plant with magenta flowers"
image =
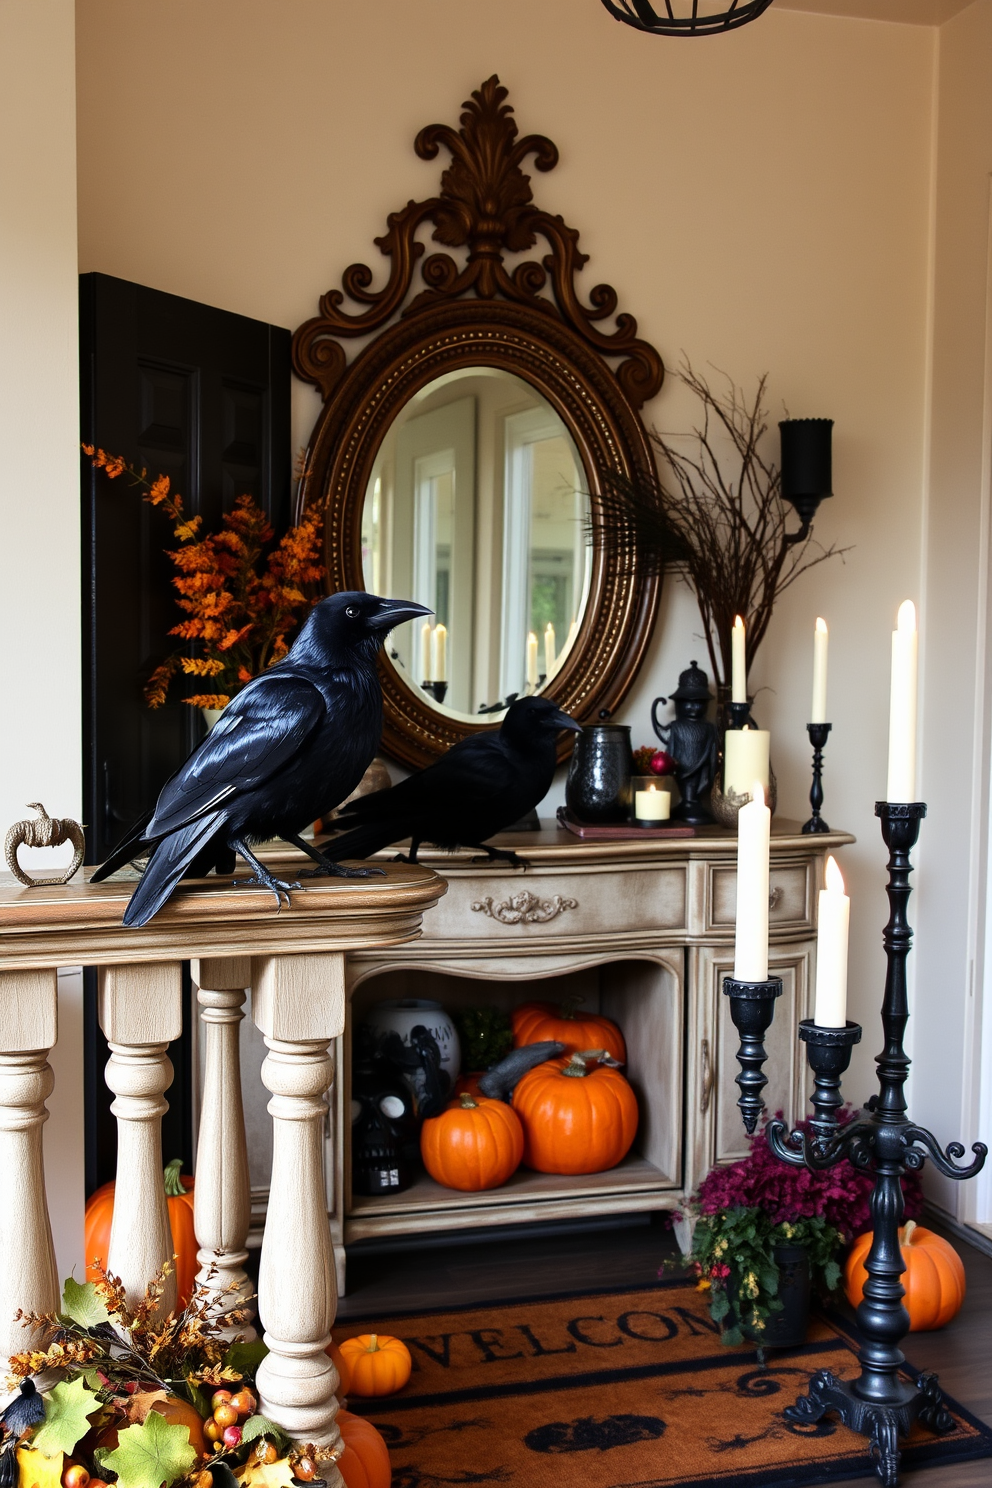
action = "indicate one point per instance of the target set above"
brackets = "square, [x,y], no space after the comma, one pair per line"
[765,1233]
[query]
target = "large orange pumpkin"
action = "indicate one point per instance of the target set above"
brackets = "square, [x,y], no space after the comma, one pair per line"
[474,1144]
[380,1364]
[179,1197]
[933,1278]
[342,1366]
[533,1022]
[364,1463]
[577,1117]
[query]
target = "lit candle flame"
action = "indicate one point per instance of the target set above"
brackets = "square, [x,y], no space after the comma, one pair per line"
[739,623]
[832,877]
[907,616]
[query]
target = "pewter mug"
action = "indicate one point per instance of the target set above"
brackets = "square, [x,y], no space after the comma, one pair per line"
[598,787]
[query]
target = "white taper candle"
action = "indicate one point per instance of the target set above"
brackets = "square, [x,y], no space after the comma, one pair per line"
[902,707]
[833,924]
[751,932]
[439,654]
[818,710]
[425,651]
[738,665]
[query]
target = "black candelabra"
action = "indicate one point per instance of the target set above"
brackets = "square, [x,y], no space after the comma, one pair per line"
[818,738]
[882,1403]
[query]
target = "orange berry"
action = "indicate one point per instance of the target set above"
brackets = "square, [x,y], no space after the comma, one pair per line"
[75,1476]
[305,1469]
[243,1402]
[212,1431]
[225,1415]
[219,1397]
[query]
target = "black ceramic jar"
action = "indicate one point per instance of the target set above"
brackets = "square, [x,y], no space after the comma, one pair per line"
[598,787]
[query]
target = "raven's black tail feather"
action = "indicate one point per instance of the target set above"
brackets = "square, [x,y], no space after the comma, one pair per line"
[126,849]
[168,863]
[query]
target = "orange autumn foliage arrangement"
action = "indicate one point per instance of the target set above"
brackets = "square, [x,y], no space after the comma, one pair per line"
[241,595]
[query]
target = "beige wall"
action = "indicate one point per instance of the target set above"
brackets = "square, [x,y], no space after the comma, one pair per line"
[39,496]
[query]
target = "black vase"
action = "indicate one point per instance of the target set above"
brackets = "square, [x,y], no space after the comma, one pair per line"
[788,1328]
[598,787]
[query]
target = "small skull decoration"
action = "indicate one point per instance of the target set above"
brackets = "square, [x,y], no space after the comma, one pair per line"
[47,831]
[383,1123]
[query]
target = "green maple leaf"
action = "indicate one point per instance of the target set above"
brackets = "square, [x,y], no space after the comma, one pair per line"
[257,1426]
[152,1455]
[68,1408]
[82,1302]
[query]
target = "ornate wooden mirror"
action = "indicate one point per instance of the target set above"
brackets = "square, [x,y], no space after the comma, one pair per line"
[459,457]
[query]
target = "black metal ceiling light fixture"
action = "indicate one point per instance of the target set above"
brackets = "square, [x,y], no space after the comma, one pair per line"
[686,17]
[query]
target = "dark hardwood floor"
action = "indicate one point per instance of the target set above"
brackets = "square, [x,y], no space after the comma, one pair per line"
[427,1276]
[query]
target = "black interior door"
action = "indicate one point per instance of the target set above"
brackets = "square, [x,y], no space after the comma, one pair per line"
[202,396]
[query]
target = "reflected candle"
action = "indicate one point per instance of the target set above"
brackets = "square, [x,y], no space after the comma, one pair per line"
[549,649]
[425,651]
[439,654]
[833,925]
[531,659]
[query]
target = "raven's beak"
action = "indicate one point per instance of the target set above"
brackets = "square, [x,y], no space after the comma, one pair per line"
[393,612]
[563,721]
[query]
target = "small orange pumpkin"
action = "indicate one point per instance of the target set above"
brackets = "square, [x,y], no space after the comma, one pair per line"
[364,1463]
[474,1144]
[342,1366]
[578,1117]
[533,1022]
[179,1197]
[380,1364]
[934,1276]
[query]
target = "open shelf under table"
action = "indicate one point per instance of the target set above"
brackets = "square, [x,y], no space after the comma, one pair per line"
[634,1184]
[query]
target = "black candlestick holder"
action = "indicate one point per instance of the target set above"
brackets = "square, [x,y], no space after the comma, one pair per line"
[437,691]
[739,715]
[818,738]
[883,1141]
[752,1007]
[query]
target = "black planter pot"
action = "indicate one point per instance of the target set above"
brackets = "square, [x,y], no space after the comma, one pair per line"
[598,787]
[788,1328]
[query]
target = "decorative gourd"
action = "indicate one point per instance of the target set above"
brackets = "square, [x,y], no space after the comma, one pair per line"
[934,1276]
[380,1364]
[342,1366]
[533,1022]
[364,1463]
[476,1143]
[179,1196]
[578,1117]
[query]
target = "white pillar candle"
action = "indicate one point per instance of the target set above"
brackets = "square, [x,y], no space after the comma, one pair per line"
[751,930]
[652,804]
[531,659]
[425,651]
[549,649]
[818,710]
[738,665]
[439,654]
[902,708]
[833,923]
[745,759]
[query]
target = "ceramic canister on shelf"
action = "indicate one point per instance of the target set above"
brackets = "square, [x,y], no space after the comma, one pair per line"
[598,787]
[402,1015]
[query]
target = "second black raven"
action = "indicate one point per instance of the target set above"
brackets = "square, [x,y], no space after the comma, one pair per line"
[481,786]
[292,745]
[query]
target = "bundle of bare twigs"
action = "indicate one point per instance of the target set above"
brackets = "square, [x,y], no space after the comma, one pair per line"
[721,520]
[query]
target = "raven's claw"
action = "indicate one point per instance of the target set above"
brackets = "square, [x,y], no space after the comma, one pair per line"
[264,880]
[337,870]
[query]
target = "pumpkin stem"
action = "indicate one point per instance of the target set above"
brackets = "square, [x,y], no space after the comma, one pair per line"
[578,1064]
[907,1234]
[373,1347]
[569,1004]
[469,1103]
[173,1182]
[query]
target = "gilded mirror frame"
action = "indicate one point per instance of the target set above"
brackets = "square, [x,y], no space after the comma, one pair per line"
[524,317]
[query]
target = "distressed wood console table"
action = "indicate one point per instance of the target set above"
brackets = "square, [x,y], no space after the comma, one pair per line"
[294,961]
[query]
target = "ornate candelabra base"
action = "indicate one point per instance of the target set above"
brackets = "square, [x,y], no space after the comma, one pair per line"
[818,738]
[881,1403]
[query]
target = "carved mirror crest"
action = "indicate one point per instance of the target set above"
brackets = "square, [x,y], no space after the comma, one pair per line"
[458,458]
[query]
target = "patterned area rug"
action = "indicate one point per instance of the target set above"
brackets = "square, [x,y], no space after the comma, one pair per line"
[619,1389]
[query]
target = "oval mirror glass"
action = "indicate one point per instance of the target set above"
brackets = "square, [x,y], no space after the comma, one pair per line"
[478,507]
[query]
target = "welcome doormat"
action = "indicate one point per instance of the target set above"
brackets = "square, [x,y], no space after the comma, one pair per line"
[619,1389]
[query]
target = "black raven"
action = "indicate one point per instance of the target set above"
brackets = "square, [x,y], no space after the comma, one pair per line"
[480,787]
[286,750]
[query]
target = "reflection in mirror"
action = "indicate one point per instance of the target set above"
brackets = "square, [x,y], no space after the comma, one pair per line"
[477,506]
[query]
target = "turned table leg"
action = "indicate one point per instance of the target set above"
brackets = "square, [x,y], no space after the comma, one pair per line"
[298,1005]
[222,1195]
[28,1274]
[140,1014]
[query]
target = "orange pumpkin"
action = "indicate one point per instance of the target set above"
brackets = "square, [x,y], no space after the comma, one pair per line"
[577,1117]
[342,1366]
[179,1197]
[174,1409]
[364,1463]
[934,1276]
[533,1022]
[474,1144]
[380,1364]
[469,1084]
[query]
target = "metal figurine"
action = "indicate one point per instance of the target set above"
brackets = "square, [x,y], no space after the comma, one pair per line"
[882,1140]
[692,739]
[818,738]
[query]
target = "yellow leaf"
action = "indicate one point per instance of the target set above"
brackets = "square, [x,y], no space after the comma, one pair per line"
[35,1470]
[267,1474]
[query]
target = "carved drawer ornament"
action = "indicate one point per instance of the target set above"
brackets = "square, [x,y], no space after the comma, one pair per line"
[525,908]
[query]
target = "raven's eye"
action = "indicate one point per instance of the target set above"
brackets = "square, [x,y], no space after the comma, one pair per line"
[352,612]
